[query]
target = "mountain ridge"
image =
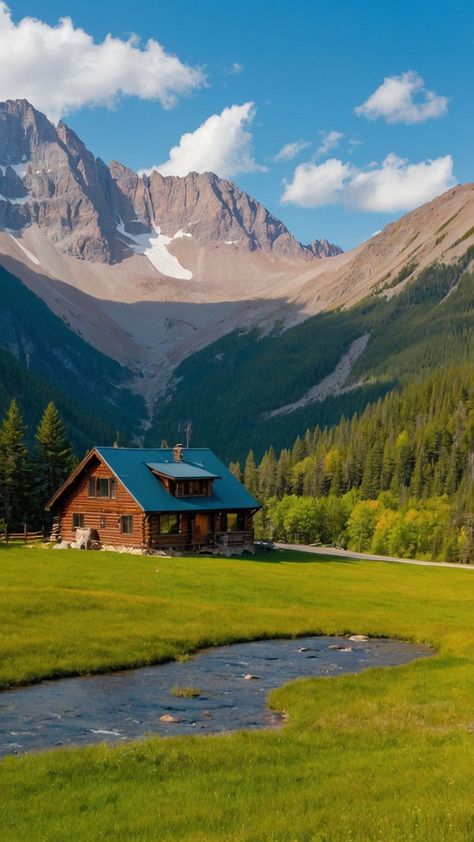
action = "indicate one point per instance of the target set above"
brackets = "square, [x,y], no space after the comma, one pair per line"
[51,179]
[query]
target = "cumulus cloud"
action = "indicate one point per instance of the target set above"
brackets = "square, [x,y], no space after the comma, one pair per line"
[314,185]
[329,141]
[291,150]
[221,144]
[403,99]
[394,185]
[61,68]
[235,68]
[397,185]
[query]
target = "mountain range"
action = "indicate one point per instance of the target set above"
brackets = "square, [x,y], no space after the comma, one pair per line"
[154,275]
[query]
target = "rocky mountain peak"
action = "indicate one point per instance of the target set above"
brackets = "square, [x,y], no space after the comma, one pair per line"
[323,248]
[50,179]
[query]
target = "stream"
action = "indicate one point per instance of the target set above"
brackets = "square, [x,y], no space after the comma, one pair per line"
[233,683]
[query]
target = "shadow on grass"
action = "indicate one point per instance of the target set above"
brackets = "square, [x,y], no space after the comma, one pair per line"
[297,557]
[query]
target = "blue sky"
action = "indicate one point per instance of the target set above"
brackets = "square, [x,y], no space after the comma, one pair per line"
[305,66]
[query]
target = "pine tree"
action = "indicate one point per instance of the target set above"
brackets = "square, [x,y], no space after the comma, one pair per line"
[13,468]
[298,451]
[234,468]
[404,459]
[54,456]
[250,474]
[267,473]
[370,485]
[282,482]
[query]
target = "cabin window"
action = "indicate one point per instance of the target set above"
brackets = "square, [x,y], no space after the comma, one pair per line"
[103,487]
[77,520]
[235,522]
[169,524]
[126,524]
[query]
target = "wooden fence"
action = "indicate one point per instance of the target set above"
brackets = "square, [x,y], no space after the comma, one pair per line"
[27,535]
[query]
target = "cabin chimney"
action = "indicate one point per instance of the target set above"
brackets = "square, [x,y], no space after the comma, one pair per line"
[178,453]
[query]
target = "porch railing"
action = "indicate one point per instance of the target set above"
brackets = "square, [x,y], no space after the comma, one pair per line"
[206,539]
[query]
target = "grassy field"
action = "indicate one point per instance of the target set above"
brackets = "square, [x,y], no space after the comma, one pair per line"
[385,755]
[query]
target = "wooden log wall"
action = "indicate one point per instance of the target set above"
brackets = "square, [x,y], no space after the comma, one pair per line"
[101,513]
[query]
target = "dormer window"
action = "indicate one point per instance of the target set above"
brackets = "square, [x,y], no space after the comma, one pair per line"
[193,488]
[184,479]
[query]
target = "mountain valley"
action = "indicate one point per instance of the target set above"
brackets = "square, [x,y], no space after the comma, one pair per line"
[195,295]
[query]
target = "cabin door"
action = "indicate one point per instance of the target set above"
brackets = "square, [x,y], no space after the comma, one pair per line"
[201,528]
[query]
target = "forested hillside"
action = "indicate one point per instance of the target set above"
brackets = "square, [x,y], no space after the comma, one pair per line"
[397,479]
[34,393]
[230,388]
[42,359]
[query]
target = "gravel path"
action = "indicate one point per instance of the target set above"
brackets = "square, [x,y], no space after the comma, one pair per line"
[309,548]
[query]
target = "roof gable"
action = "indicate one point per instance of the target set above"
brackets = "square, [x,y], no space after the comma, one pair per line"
[84,463]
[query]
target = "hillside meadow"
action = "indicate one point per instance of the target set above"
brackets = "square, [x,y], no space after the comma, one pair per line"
[384,755]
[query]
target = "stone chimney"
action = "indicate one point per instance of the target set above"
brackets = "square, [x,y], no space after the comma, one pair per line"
[178,453]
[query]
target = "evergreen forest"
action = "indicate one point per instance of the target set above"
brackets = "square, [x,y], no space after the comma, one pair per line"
[29,476]
[396,479]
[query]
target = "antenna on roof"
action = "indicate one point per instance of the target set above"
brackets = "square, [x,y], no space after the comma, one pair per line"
[188,429]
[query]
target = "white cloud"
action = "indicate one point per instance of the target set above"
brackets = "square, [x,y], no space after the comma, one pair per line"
[314,185]
[329,141]
[60,68]
[291,150]
[235,68]
[394,185]
[221,144]
[403,99]
[397,185]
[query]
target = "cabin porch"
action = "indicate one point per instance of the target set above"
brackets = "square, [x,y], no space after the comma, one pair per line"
[200,530]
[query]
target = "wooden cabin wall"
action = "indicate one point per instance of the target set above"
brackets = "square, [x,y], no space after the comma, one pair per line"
[182,538]
[76,499]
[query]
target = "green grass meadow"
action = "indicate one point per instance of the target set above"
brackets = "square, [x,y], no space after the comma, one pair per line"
[385,755]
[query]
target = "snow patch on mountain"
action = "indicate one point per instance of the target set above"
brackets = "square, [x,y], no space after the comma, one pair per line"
[21,201]
[154,246]
[21,169]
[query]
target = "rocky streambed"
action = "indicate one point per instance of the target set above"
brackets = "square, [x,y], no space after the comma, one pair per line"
[219,689]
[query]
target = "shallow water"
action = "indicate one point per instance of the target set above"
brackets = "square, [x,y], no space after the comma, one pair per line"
[128,705]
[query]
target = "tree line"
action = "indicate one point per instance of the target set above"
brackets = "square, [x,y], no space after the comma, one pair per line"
[29,477]
[396,479]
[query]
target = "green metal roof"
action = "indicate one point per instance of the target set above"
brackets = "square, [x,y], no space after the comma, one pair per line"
[131,466]
[180,470]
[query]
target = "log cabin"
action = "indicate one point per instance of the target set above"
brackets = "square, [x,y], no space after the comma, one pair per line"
[156,499]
